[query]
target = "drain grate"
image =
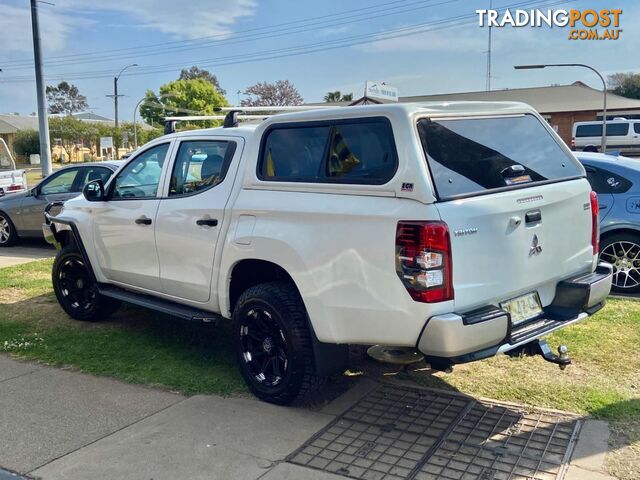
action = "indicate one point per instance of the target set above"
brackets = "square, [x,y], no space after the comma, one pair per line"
[398,433]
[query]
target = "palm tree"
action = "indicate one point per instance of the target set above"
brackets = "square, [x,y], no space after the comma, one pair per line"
[337,96]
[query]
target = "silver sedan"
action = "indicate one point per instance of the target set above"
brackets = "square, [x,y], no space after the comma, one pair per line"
[21,213]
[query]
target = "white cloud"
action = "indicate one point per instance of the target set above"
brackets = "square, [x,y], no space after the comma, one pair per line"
[180,19]
[15,28]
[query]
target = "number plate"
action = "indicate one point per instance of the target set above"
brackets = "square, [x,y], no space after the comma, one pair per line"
[523,308]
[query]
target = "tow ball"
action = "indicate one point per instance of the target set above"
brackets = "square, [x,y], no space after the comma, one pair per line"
[542,348]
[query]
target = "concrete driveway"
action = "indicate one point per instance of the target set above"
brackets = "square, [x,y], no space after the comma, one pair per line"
[24,252]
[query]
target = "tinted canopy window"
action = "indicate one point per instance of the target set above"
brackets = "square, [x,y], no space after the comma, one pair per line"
[349,152]
[474,155]
[595,130]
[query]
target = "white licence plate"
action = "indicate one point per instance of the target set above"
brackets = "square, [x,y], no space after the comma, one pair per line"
[523,308]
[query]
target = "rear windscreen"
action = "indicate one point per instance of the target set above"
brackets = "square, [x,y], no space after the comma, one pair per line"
[474,155]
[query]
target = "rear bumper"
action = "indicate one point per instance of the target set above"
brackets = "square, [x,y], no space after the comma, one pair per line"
[487,331]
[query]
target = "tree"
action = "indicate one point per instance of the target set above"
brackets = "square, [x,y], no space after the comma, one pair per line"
[280,93]
[625,84]
[337,96]
[197,72]
[182,97]
[26,142]
[65,98]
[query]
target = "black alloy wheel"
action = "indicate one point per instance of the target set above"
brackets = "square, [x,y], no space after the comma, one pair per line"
[264,347]
[272,341]
[76,290]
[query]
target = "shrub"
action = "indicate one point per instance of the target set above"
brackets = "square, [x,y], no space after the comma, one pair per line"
[26,142]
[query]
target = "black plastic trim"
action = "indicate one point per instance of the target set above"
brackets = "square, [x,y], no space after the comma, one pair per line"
[330,358]
[79,244]
[484,314]
[157,304]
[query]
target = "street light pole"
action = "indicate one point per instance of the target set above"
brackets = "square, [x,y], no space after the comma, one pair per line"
[603,143]
[135,111]
[115,91]
[43,119]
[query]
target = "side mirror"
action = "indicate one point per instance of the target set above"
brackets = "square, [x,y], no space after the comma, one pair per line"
[94,191]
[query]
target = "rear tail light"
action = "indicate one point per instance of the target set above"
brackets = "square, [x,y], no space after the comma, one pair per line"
[595,208]
[423,260]
[14,188]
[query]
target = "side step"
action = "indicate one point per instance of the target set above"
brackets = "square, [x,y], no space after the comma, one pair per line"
[159,305]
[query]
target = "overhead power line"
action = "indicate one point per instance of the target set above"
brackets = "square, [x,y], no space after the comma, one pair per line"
[446,23]
[293,27]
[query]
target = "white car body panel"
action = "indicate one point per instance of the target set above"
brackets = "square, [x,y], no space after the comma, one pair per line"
[337,241]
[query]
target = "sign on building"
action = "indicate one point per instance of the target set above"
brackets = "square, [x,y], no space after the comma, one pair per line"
[381,91]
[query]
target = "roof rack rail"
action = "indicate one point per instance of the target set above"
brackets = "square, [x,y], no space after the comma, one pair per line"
[234,114]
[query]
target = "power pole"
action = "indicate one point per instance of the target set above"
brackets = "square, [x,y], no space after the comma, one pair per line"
[43,119]
[488,84]
[115,98]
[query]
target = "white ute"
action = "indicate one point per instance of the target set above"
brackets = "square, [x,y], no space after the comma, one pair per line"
[461,229]
[12,180]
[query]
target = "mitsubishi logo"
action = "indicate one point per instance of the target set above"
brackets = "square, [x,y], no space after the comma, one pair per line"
[535,249]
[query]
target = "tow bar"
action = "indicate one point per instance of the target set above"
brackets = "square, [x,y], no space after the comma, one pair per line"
[542,348]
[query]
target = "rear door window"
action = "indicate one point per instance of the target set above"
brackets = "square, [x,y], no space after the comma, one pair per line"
[355,152]
[472,156]
[636,127]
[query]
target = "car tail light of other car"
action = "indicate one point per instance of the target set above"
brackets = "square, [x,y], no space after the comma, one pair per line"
[14,188]
[423,260]
[595,208]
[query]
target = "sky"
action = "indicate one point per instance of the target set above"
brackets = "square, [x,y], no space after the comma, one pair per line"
[419,46]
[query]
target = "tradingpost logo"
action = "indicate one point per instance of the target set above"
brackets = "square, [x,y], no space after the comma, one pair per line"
[587,24]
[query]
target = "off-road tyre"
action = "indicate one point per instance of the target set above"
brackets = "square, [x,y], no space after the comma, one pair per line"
[271,325]
[76,290]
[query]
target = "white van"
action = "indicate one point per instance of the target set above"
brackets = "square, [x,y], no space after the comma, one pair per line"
[622,135]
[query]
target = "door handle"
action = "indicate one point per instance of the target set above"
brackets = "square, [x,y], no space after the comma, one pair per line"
[209,222]
[602,207]
[143,221]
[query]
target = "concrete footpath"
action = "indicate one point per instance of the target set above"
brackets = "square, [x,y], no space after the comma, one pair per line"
[25,253]
[59,424]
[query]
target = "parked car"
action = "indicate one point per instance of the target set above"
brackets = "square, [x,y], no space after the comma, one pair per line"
[622,136]
[462,229]
[617,183]
[21,213]
[12,180]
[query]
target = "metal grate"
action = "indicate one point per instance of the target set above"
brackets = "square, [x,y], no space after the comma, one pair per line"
[396,433]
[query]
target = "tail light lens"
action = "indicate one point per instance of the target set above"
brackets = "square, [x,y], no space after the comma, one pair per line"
[423,260]
[595,208]
[13,188]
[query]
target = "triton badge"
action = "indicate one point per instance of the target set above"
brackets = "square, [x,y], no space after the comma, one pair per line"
[536,248]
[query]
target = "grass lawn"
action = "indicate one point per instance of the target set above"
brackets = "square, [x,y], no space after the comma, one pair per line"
[142,347]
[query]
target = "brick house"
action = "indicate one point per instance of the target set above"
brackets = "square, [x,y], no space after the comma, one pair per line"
[561,105]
